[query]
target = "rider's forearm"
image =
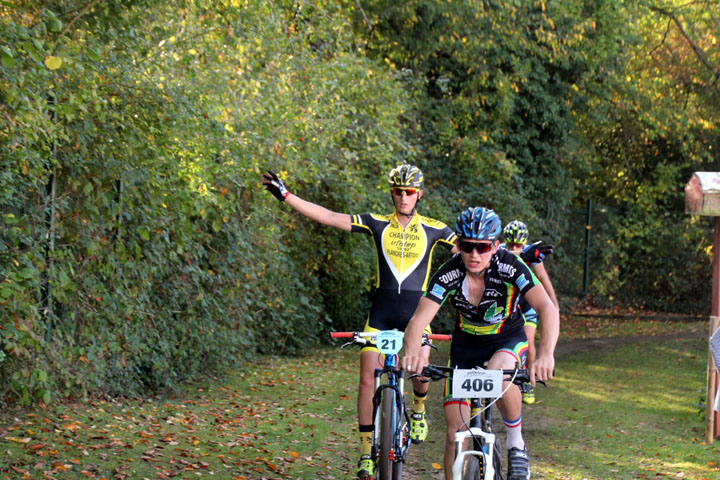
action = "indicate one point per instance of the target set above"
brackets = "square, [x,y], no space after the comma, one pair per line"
[424,314]
[413,337]
[542,275]
[319,213]
[549,323]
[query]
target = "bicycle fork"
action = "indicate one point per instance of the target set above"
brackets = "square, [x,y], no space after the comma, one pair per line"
[486,445]
[481,443]
[396,383]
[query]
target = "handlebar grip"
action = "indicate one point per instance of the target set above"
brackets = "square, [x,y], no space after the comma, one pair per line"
[341,334]
[439,336]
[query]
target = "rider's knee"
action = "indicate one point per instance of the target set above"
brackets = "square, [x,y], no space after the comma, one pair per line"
[367,381]
[450,434]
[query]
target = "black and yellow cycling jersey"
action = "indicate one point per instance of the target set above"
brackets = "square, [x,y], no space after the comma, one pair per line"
[403,257]
[403,254]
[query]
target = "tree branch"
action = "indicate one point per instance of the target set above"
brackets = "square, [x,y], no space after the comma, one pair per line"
[369,25]
[77,17]
[698,52]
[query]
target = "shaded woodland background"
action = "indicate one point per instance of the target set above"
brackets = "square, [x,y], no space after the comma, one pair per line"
[138,249]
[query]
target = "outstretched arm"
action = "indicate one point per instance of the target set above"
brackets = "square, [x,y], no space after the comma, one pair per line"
[316,212]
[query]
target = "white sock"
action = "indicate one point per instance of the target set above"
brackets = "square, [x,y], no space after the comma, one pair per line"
[514,433]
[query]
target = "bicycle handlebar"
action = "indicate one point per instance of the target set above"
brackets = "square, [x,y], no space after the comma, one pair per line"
[431,336]
[438,372]
[342,334]
[363,338]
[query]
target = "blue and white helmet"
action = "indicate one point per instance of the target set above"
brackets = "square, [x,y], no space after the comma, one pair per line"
[478,223]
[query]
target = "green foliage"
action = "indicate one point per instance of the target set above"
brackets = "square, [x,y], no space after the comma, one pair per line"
[138,250]
[651,125]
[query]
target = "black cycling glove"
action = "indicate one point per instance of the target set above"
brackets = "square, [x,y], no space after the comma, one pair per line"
[274,185]
[535,253]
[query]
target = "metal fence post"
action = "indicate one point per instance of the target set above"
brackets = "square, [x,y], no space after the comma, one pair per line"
[586,268]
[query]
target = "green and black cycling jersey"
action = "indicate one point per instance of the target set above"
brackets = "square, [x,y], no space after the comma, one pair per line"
[506,279]
[403,260]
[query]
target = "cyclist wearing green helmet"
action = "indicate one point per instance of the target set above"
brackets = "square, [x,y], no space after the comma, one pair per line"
[484,283]
[404,242]
[516,235]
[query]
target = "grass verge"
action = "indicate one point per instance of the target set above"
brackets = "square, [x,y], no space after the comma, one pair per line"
[615,411]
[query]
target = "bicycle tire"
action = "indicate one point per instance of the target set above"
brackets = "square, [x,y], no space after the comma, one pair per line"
[385,436]
[472,468]
[498,461]
[397,470]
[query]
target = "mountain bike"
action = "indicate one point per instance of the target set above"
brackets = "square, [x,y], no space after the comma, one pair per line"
[484,459]
[390,440]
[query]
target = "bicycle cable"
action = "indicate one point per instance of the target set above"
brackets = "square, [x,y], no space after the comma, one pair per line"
[489,405]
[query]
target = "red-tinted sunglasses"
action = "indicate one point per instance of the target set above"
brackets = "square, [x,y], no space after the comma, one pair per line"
[514,246]
[468,247]
[407,191]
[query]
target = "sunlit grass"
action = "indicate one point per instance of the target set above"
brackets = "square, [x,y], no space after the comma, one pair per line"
[615,411]
[577,327]
[624,412]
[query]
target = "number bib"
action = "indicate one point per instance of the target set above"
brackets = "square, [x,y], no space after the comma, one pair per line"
[389,342]
[476,383]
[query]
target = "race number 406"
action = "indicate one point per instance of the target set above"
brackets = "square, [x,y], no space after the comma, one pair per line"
[476,383]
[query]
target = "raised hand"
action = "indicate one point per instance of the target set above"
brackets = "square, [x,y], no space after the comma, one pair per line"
[274,185]
[535,253]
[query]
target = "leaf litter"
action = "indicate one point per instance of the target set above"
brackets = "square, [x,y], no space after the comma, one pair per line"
[269,422]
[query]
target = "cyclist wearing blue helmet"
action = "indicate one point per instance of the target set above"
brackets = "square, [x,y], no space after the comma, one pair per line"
[484,283]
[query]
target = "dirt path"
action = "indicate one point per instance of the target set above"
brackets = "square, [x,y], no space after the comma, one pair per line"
[573,346]
[418,467]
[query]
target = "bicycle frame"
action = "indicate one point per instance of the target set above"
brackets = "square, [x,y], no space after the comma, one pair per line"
[482,441]
[390,440]
[480,428]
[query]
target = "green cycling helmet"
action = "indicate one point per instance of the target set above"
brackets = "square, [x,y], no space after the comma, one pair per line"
[515,232]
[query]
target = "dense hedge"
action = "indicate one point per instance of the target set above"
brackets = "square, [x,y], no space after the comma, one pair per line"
[138,249]
[137,246]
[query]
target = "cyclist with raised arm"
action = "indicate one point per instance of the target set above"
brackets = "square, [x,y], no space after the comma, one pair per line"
[515,235]
[484,283]
[404,242]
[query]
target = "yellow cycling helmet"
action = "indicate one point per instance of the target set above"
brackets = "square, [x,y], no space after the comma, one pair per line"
[406,175]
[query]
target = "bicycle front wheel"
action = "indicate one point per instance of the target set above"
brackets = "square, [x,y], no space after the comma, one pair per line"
[385,436]
[497,461]
[472,468]
[397,470]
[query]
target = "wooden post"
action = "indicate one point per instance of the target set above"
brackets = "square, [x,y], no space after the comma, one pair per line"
[712,420]
[712,423]
[702,197]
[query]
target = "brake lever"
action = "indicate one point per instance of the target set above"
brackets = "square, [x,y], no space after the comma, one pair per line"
[428,377]
[355,341]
